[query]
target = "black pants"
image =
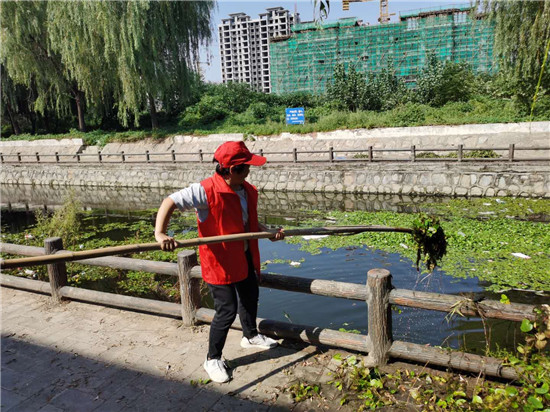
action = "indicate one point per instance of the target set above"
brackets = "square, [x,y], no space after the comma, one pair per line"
[227,304]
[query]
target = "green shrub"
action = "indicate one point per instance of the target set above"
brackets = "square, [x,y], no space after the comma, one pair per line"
[411,114]
[442,82]
[64,223]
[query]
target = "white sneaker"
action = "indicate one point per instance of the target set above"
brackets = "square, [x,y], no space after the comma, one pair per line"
[217,370]
[259,341]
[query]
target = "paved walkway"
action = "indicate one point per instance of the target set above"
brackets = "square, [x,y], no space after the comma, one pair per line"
[81,357]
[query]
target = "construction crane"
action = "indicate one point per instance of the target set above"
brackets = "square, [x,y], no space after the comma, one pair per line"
[384,11]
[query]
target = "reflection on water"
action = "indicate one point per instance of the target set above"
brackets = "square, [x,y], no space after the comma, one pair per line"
[27,197]
[345,265]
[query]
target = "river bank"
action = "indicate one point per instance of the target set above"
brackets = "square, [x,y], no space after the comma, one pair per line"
[449,179]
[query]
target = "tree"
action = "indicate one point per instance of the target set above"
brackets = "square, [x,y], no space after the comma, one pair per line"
[385,89]
[156,49]
[443,82]
[29,60]
[76,32]
[131,55]
[347,89]
[9,100]
[522,34]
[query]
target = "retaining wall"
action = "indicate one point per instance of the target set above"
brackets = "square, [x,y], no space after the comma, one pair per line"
[450,179]
[525,135]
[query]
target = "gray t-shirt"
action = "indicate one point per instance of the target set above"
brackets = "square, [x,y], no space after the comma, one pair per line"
[194,197]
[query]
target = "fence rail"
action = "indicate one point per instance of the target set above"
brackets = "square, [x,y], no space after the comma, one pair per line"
[369,154]
[378,294]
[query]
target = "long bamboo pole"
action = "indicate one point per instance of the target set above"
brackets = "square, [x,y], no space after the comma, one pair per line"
[142,247]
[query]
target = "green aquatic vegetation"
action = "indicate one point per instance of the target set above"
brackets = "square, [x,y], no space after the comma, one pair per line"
[93,233]
[430,240]
[475,248]
[485,208]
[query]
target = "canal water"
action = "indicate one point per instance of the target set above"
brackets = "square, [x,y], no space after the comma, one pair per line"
[344,265]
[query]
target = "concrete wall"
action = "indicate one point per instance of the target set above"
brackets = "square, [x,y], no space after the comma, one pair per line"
[523,135]
[450,179]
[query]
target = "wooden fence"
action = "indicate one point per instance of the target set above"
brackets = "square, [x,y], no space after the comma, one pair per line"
[369,154]
[378,293]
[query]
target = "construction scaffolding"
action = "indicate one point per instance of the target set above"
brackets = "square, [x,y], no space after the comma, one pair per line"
[305,61]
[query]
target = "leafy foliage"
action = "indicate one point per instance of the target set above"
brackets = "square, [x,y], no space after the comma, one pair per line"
[354,91]
[143,53]
[522,32]
[301,391]
[64,223]
[430,238]
[444,82]
[481,237]
[362,388]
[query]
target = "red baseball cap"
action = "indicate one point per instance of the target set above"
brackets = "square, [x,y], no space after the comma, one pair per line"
[236,153]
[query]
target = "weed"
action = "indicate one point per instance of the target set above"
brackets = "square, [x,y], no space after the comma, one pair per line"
[301,391]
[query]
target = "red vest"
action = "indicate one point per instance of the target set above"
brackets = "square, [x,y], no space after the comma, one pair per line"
[224,263]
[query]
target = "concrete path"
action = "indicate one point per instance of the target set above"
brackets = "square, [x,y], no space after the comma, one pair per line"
[82,357]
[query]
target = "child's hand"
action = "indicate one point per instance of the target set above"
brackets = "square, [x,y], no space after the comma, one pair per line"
[280,235]
[167,243]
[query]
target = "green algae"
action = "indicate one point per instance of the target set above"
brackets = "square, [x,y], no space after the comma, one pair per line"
[477,247]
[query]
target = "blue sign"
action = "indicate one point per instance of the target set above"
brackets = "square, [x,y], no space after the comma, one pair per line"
[295,115]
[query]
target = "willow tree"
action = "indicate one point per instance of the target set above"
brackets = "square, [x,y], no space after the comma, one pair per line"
[130,55]
[154,47]
[76,34]
[522,36]
[29,60]
[9,100]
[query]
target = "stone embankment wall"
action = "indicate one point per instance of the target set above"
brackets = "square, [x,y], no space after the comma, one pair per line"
[434,178]
[451,179]
[524,135]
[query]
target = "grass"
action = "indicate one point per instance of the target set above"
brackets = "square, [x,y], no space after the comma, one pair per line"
[476,111]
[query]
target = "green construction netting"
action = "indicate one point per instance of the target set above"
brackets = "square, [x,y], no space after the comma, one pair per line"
[305,61]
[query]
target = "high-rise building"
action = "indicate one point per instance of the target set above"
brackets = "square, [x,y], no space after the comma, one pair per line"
[244,45]
[305,60]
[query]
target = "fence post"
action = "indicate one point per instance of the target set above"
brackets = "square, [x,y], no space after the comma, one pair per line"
[99,157]
[460,152]
[57,272]
[189,287]
[147,157]
[200,155]
[122,156]
[56,157]
[511,149]
[370,153]
[37,157]
[413,153]
[173,156]
[379,316]
[331,154]
[295,153]
[19,157]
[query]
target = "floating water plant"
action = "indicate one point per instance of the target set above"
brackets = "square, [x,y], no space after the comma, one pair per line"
[430,240]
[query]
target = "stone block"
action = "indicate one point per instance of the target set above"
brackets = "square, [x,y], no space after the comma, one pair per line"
[461,191]
[476,191]
[486,180]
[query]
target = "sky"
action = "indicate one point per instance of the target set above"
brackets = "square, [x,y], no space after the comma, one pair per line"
[367,11]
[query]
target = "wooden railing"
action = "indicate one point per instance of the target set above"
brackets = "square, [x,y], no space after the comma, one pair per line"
[378,293]
[369,154]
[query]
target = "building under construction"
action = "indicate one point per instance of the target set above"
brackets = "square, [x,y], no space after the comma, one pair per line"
[305,60]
